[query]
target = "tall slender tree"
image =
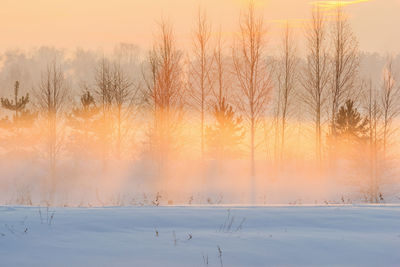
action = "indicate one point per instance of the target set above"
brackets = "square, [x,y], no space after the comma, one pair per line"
[200,70]
[123,95]
[390,103]
[253,76]
[221,78]
[287,81]
[345,62]
[316,75]
[104,92]
[374,115]
[166,95]
[52,99]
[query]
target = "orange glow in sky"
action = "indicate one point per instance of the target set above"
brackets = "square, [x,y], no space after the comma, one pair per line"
[333,4]
[102,23]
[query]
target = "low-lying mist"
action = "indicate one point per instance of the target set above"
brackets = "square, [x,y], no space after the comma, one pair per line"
[91,171]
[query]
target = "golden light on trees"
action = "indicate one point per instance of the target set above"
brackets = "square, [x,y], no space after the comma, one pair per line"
[248,110]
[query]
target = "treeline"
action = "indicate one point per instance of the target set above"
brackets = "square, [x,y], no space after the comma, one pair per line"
[216,104]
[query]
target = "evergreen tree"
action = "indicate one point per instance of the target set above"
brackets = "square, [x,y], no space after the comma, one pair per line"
[227,134]
[84,121]
[22,118]
[349,125]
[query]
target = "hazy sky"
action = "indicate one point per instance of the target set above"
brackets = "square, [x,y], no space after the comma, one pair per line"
[104,23]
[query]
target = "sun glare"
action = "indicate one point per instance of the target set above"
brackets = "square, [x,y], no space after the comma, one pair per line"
[335,4]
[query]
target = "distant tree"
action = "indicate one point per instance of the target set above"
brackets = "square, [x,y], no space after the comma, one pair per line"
[390,104]
[52,95]
[22,118]
[223,138]
[17,104]
[104,92]
[123,95]
[127,54]
[383,108]
[374,162]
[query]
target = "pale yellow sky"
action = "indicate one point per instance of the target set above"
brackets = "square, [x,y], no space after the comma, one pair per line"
[104,23]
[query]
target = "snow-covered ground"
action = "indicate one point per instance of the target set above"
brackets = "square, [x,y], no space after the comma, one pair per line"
[201,236]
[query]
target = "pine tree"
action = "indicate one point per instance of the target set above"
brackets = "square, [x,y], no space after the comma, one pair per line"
[84,121]
[227,134]
[22,118]
[349,124]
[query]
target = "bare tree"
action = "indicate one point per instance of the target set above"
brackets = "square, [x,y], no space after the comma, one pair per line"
[316,75]
[104,92]
[220,72]
[52,98]
[389,103]
[200,70]
[150,75]
[274,125]
[373,118]
[165,94]
[382,108]
[253,75]
[123,96]
[224,136]
[287,78]
[345,62]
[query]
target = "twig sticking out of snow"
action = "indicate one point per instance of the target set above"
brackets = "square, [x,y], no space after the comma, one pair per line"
[205,259]
[228,221]
[226,227]
[240,225]
[174,236]
[40,215]
[155,229]
[49,219]
[220,256]
[16,232]
[11,229]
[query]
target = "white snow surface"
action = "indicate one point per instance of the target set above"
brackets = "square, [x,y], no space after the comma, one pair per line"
[350,235]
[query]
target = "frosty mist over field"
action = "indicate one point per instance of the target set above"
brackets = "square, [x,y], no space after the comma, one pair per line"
[283,111]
